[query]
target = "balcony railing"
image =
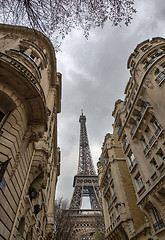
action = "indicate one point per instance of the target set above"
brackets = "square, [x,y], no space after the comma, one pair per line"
[159,225]
[139,118]
[24,71]
[37,72]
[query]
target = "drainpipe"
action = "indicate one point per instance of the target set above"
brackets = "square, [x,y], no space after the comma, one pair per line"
[21,199]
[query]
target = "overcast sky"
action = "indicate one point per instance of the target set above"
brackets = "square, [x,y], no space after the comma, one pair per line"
[94,76]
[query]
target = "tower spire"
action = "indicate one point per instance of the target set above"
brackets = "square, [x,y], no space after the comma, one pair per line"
[85,165]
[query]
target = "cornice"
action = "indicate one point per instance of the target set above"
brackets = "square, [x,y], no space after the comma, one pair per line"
[34,35]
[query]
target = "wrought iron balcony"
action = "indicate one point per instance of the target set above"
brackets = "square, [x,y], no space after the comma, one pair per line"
[139,118]
[159,225]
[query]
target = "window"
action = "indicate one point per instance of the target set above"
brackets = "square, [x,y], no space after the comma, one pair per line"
[148,133]
[145,145]
[3,167]
[131,157]
[160,155]
[6,106]
[154,214]
[1,116]
[119,129]
[143,142]
[125,143]
[139,181]
[113,192]
[160,76]
[31,56]
[156,124]
[131,160]
[154,164]
[157,221]
[158,128]
[117,211]
[145,48]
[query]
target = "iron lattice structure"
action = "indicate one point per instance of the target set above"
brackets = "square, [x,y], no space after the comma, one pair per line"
[85,185]
[85,166]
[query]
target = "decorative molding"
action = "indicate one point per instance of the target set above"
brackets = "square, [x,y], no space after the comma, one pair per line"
[148,83]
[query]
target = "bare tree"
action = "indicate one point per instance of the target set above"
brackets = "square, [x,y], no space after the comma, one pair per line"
[63,223]
[61,16]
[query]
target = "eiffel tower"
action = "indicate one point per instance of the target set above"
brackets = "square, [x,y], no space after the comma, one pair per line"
[86,221]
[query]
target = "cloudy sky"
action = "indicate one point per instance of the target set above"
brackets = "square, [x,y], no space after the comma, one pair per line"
[94,76]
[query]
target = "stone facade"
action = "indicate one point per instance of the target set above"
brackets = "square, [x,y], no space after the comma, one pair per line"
[140,124]
[123,218]
[30,99]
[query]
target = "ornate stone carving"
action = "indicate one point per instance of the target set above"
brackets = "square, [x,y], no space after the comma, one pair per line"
[16,163]
[148,83]
[32,135]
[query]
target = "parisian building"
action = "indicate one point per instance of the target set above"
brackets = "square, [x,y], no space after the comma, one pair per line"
[140,124]
[123,218]
[30,99]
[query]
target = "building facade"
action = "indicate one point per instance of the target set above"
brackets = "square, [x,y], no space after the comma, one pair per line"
[30,99]
[123,218]
[140,123]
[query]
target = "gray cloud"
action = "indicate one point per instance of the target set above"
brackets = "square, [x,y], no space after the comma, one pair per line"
[94,76]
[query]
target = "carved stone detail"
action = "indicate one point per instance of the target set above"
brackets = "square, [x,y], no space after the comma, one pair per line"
[16,163]
[148,83]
